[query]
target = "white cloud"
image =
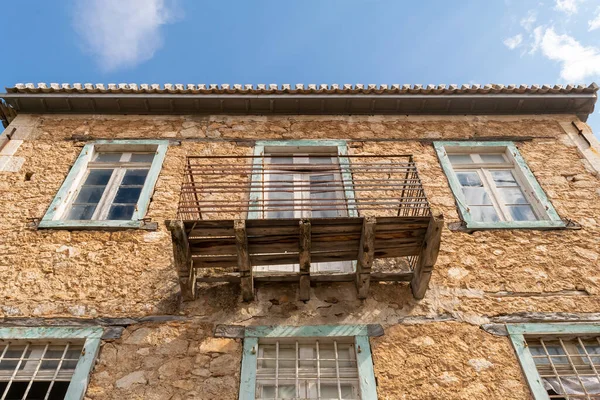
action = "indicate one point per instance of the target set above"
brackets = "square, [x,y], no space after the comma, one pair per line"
[578,62]
[595,23]
[122,33]
[529,20]
[567,6]
[513,42]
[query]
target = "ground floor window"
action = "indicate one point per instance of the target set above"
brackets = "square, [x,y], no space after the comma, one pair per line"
[310,362]
[46,363]
[561,361]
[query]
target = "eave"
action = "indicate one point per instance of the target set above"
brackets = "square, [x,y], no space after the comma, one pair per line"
[330,100]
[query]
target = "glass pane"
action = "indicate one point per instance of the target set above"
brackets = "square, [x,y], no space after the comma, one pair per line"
[280,160]
[592,349]
[98,177]
[330,391]
[287,391]
[469,179]
[90,194]
[484,214]
[522,213]
[135,177]
[128,195]
[81,212]
[323,195]
[289,353]
[492,158]
[142,157]
[504,178]
[476,196]
[512,196]
[279,193]
[120,212]
[460,158]
[108,157]
[321,160]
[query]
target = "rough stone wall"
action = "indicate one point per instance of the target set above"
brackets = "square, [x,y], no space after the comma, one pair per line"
[172,361]
[478,276]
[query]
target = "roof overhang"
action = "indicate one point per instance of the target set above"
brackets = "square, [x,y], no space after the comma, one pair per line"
[577,100]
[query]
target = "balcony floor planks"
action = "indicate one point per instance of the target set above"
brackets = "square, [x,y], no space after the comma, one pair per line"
[275,241]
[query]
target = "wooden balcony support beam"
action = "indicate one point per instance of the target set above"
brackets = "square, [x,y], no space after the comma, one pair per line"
[304,255]
[427,258]
[243,259]
[366,253]
[182,258]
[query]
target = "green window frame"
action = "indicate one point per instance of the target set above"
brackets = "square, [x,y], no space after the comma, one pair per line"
[254,334]
[548,218]
[54,217]
[519,333]
[92,337]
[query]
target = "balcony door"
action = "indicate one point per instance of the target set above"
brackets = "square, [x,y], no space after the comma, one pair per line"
[303,182]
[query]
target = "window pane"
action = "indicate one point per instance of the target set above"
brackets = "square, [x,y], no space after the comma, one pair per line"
[522,213]
[512,196]
[492,158]
[279,193]
[120,212]
[98,177]
[504,178]
[484,214]
[469,179]
[83,212]
[142,157]
[90,194]
[135,177]
[108,157]
[330,391]
[476,196]
[460,158]
[321,160]
[128,195]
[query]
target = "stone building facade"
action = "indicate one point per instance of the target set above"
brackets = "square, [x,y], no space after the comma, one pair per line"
[500,300]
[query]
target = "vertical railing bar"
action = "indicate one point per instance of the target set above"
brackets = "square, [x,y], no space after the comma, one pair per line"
[337,370]
[37,368]
[318,372]
[297,355]
[277,369]
[58,367]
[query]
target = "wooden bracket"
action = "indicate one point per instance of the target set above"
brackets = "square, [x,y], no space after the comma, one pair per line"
[427,258]
[243,258]
[182,258]
[366,253]
[304,255]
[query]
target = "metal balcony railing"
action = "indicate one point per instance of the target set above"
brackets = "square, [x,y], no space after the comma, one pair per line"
[301,186]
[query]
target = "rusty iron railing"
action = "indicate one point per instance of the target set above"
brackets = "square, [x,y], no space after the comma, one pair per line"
[318,185]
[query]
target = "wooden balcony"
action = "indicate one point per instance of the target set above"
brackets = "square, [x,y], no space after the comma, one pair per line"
[290,217]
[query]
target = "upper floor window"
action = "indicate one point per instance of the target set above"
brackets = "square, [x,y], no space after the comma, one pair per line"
[560,361]
[46,363]
[301,179]
[493,186]
[110,185]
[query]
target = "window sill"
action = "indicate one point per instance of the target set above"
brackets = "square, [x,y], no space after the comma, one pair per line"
[98,225]
[534,225]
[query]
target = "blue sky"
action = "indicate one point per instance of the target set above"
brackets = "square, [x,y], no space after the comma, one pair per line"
[308,41]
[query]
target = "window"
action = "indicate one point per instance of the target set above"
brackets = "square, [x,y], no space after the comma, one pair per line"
[493,186]
[46,363]
[110,185]
[310,362]
[560,361]
[303,179]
